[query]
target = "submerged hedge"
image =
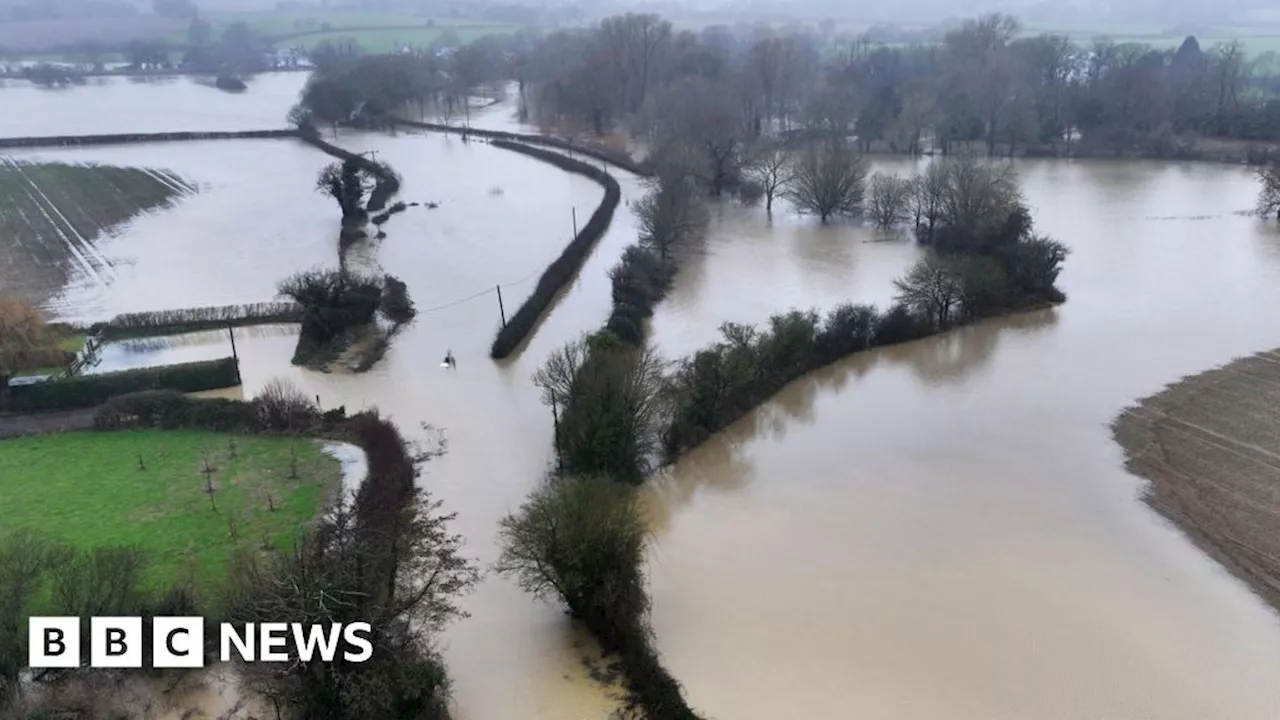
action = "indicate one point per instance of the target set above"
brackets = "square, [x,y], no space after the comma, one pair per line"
[620,159]
[86,391]
[563,269]
[172,322]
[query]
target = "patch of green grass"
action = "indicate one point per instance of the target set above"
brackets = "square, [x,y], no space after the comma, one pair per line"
[381,41]
[85,488]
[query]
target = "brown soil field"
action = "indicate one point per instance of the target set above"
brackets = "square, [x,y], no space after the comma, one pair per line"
[51,214]
[1210,446]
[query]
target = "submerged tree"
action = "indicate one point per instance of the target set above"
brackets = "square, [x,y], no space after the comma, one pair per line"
[828,180]
[889,200]
[333,302]
[1269,193]
[769,166]
[349,184]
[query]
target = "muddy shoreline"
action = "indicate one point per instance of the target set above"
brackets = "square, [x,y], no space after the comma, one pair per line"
[1210,446]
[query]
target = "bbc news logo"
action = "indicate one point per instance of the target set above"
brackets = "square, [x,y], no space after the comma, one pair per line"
[178,642]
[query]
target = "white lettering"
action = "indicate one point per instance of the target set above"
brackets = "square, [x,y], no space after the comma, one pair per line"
[315,636]
[351,634]
[243,644]
[274,636]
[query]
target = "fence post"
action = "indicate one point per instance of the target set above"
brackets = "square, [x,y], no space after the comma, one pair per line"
[501,309]
[575,221]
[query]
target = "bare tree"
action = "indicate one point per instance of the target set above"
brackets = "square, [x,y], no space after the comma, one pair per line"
[828,179]
[933,289]
[670,215]
[769,167]
[927,192]
[888,200]
[1269,193]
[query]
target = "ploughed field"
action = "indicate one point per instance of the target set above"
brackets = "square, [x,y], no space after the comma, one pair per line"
[51,214]
[1210,445]
[86,489]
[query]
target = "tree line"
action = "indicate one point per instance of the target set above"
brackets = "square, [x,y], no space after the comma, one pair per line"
[985,82]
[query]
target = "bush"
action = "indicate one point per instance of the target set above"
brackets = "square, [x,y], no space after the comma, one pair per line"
[283,406]
[563,269]
[899,325]
[396,305]
[91,390]
[333,303]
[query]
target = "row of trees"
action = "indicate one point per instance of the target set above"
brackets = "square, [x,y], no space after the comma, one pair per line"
[985,82]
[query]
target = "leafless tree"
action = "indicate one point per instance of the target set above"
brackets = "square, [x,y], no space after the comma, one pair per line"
[24,339]
[888,200]
[933,289]
[670,215]
[770,167]
[927,192]
[1269,193]
[828,179]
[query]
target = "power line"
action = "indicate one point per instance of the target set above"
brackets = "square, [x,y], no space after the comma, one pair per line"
[480,294]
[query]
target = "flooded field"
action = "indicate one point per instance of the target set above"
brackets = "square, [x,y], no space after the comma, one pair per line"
[937,531]
[51,215]
[105,105]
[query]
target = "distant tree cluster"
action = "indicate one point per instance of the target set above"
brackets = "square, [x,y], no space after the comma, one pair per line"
[983,82]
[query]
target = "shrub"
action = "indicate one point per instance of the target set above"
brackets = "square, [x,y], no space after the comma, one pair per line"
[899,325]
[396,305]
[333,302]
[91,390]
[847,329]
[283,406]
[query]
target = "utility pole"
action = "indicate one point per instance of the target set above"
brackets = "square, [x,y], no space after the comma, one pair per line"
[501,309]
[235,356]
[555,418]
[575,221]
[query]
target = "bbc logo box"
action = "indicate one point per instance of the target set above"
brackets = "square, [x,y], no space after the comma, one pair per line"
[115,642]
[178,642]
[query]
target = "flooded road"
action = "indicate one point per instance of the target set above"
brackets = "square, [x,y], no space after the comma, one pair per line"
[936,531]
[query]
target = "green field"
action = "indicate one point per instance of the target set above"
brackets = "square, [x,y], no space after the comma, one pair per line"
[85,488]
[390,40]
[50,214]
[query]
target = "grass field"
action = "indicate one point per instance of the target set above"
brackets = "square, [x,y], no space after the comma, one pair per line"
[390,40]
[50,214]
[85,488]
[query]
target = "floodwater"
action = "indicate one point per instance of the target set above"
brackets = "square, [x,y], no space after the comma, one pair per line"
[936,531]
[113,104]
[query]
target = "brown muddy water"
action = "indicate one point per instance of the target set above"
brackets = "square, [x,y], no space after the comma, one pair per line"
[937,531]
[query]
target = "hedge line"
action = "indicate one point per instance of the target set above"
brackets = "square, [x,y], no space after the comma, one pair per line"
[172,322]
[126,138]
[86,391]
[388,183]
[563,269]
[620,159]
